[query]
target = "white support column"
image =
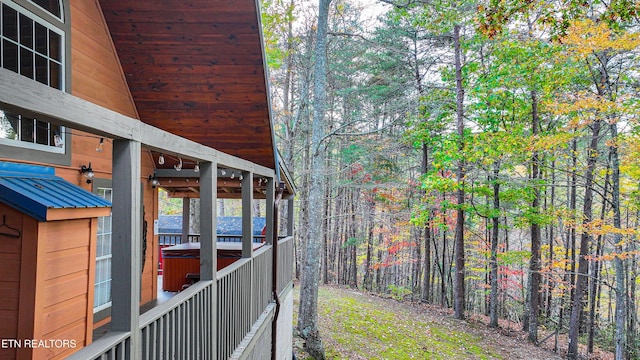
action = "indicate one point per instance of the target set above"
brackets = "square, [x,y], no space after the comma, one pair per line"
[247,214]
[208,219]
[270,211]
[126,240]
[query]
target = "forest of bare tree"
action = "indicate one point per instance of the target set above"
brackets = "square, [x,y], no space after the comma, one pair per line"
[482,156]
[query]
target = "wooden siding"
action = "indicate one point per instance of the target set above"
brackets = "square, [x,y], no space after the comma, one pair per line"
[62,284]
[96,72]
[10,260]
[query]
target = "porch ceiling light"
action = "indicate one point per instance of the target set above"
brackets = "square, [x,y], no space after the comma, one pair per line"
[154,181]
[88,173]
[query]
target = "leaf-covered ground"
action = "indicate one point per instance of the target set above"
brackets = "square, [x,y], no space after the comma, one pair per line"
[359,326]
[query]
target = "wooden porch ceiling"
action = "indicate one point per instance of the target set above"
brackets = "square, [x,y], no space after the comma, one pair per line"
[186,183]
[196,68]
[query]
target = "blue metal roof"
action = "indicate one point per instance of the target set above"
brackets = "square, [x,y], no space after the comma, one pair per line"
[35,189]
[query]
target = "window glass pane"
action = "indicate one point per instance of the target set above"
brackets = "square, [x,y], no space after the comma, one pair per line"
[26,31]
[9,23]
[26,130]
[108,241]
[42,133]
[54,46]
[26,63]
[42,70]
[52,6]
[41,39]
[55,73]
[99,243]
[9,55]
[8,126]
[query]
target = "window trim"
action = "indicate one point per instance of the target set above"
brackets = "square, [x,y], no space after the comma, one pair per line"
[103,311]
[20,150]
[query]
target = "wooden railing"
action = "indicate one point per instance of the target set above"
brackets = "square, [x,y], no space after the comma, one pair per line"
[168,239]
[114,345]
[262,281]
[243,293]
[178,328]
[285,263]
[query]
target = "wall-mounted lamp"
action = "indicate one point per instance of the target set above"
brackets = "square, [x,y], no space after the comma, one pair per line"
[161,159]
[87,172]
[154,181]
[197,167]
[57,140]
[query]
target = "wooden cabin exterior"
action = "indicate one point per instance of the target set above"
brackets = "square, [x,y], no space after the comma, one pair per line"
[119,98]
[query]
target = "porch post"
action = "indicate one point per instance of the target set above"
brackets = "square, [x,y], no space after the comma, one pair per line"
[186,221]
[208,219]
[126,243]
[290,217]
[270,201]
[247,214]
[208,251]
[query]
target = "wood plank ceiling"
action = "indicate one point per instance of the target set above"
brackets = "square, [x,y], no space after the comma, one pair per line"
[196,68]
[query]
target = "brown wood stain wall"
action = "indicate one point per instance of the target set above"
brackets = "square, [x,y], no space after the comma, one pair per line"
[58,258]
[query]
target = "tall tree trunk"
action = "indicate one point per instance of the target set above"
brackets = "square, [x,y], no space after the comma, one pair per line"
[583,262]
[493,261]
[308,313]
[570,252]
[534,264]
[459,292]
[597,263]
[621,293]
[550,281]
[368,274]
[426,295]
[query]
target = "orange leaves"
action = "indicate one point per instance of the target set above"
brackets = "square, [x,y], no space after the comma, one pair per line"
[584,37]
[599,227]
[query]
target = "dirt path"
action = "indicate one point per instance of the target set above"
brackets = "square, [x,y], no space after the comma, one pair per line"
[359,326]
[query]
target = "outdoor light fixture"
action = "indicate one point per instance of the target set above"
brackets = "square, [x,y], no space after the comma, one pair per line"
[57,140]
[197,167]
[161,159]
[178,167]
[87,171]
[100,145]
[154,181]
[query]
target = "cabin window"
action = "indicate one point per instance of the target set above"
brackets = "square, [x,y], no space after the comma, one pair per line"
[102,293]
[54,7]
[34,48]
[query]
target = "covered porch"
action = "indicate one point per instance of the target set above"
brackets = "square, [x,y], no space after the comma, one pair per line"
[224,314]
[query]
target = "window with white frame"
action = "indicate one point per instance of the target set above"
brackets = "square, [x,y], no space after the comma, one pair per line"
[33,47]
[102,293]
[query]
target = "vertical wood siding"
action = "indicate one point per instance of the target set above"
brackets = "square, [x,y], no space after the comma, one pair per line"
[10,249]
[62,285]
